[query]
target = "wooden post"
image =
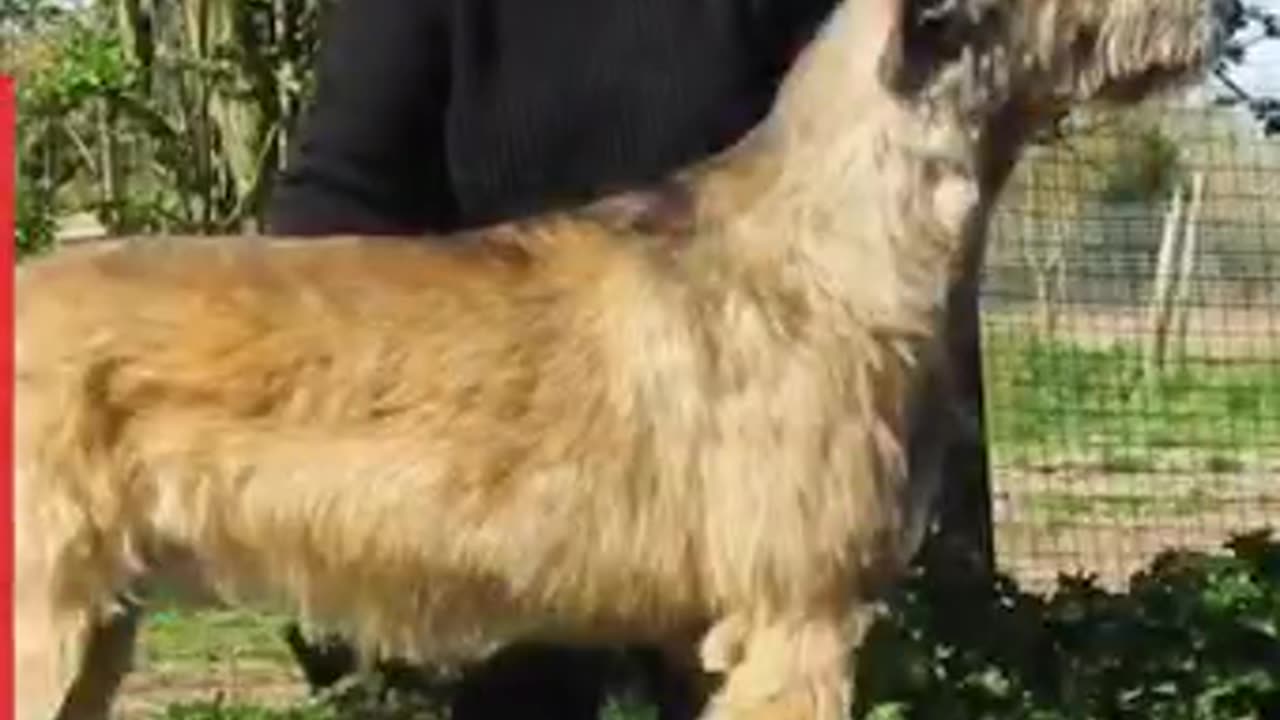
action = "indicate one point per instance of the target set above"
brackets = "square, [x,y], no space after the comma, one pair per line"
[1159,312]
[1187,264]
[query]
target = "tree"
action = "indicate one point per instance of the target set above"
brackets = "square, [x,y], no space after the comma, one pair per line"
[1250,25]
[156,116]
[1145,168]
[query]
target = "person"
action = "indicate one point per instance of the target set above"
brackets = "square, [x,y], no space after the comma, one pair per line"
[432,116]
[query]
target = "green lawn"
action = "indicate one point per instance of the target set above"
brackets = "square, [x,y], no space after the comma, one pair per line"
[207,657]
[174,638]
[1049,401]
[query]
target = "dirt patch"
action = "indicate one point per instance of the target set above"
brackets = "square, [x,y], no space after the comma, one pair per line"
[148,691]
[1218,332]
[1077,519]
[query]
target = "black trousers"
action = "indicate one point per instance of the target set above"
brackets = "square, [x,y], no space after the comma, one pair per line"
[436,115]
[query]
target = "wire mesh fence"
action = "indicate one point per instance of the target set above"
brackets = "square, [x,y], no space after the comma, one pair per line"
[1131,313]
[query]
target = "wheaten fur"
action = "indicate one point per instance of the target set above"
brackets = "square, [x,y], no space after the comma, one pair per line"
[556,429]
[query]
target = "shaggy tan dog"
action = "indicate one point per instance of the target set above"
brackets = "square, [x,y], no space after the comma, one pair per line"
[543,432]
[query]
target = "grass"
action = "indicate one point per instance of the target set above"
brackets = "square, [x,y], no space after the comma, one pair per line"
[176,637]
[180,642]
[617,708]
[216,710]
[206,660]
[1056,508]
[1048,400]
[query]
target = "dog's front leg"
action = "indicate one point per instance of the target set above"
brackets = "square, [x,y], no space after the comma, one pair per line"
[784,670]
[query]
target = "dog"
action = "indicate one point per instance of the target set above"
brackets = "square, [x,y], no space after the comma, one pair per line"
[549,432]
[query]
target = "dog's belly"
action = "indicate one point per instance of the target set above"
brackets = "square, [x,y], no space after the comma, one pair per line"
[383,546]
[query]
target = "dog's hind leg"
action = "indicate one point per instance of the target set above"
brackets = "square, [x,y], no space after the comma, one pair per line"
[73,639]
[70,661]
[70,668]
[108,656]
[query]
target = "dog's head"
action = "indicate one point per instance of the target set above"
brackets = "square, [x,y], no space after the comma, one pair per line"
[1038,58]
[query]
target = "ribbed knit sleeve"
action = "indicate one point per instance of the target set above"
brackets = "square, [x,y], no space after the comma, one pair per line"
[447,112]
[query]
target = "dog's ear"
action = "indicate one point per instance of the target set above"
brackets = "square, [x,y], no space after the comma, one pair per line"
[923,36]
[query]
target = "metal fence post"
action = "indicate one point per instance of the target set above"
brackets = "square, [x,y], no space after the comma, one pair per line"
[963,545]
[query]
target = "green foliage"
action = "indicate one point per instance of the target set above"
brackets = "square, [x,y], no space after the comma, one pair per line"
[156,117]
[1194,638]
[88,63]
[24,16]
[78,63]
[1248,27]
[178,639]
[1145,169]
[34,221]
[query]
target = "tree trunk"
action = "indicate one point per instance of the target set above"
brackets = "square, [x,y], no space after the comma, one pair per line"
[109,175]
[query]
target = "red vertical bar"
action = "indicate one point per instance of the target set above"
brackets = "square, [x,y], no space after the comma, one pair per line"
[8,203]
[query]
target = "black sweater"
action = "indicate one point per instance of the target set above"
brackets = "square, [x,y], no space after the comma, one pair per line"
[436,114]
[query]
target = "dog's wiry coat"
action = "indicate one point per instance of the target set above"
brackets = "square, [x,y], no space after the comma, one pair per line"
[551,430]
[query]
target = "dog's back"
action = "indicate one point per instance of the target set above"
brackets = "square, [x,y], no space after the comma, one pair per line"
[236,398]
[166,317]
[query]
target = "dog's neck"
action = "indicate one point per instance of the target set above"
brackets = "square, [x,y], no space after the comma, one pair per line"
[856,200]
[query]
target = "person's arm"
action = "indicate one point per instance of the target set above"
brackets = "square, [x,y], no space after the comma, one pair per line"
[370,155]
[432,115]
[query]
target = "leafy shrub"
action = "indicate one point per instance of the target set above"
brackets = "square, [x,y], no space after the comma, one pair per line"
[1146,169]
[1196,637]
[34,222]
